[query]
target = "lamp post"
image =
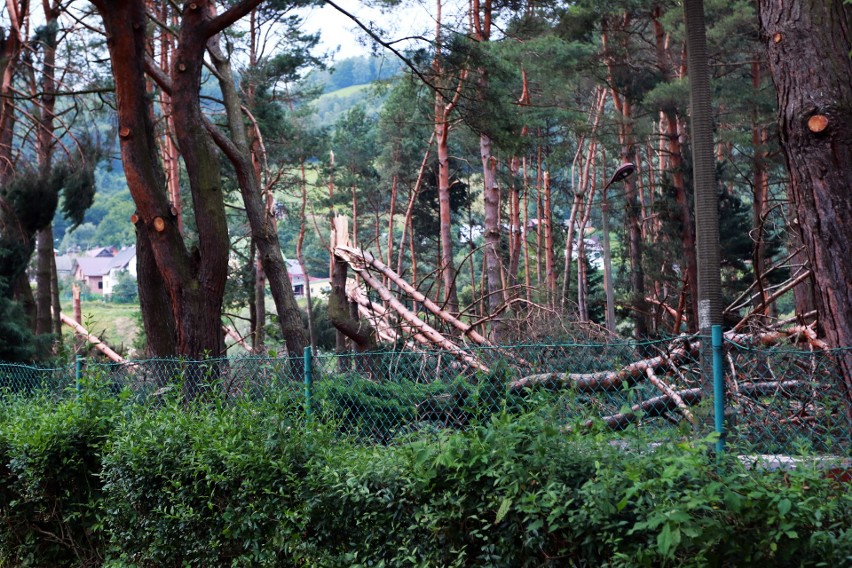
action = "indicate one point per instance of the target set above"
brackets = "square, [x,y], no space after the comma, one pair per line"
[622,173]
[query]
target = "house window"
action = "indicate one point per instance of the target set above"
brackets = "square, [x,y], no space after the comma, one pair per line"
[299,290]
[100,285]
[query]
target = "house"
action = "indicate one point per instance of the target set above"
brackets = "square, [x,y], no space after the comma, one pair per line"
[64,265]
[91,271]
[298,280]
[123,261]
[100,252]
[100,273]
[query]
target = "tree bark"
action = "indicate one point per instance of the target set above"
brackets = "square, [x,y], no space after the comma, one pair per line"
[808,44]
[44,296]
[261,222]
[193,281]
[670,117]
[633,216]
[46,271]
[443,109]
[491,199]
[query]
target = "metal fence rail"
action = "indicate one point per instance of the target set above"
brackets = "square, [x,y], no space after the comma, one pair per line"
[776,400]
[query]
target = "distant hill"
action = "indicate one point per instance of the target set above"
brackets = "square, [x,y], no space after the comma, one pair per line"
[331,106]
[361,70]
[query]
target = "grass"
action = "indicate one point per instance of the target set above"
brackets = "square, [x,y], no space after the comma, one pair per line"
[117,325]
[346,91]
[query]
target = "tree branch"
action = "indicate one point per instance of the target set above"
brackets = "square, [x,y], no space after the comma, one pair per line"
[230,16]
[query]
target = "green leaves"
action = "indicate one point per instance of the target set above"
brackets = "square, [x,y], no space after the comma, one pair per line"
[248,484]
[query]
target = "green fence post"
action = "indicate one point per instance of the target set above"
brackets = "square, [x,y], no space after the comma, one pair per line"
[309,381]
[78,371]
[718,387]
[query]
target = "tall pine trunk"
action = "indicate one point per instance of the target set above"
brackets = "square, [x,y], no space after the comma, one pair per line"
[193,281]
[808,44]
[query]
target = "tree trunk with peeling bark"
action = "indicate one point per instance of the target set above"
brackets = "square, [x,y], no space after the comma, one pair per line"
[46,271]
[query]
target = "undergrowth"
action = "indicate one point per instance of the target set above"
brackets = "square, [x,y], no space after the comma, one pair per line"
[99,481]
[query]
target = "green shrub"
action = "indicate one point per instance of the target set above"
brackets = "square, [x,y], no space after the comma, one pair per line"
[210,485]
[95,481]
[51,510]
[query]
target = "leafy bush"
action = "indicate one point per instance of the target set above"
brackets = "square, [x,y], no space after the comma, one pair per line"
[210,485]
[51,510]
[94,481]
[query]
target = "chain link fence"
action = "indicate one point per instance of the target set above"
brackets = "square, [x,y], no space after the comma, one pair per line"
[777,399]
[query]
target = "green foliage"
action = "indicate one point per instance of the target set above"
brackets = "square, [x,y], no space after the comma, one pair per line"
[77,183]
[247,484]
[125,290]
[51,511]
[115,228]
[18,343]
[32,198]
[355,71]
[78,239]
[208,486]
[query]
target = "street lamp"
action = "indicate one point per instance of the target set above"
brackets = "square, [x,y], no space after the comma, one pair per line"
[623,172]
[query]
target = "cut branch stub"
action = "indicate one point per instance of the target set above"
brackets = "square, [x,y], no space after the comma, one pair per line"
[159,224]
[817,123]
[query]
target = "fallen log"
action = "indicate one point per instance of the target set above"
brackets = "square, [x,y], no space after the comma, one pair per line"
[379,316]
[679,400]
[359,260]
[650,408]
[668,391]
[605,381]
[239,340]
[416,323]
[363,258]
[93,339]
[767,388]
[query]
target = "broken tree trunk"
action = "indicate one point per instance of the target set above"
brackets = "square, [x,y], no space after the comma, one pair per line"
[341,252]
[366,260]
[237,338]
[94,340]
[606,380]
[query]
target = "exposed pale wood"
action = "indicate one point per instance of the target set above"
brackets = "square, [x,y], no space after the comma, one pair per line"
[667,390]
[605,380]
[379,315]
[94,340]
[670,310]
[238,339]
[817,123]
[416,323]
[365,259]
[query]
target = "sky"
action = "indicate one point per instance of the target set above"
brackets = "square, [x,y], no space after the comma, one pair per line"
[339,34]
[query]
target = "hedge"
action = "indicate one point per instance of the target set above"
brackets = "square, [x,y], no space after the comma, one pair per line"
[98,481]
